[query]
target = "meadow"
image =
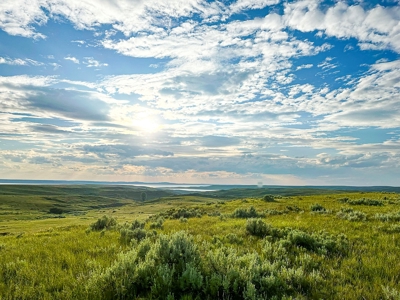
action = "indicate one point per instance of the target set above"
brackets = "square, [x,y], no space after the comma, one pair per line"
[90,242]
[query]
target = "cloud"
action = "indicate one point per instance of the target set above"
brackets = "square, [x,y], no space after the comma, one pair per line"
[20,62]
[31,95]
[18,17]
[90,62]
[306,66]
[218,141]
[73,59]
[373,28]
[123,151]
[241,5]
[45,128]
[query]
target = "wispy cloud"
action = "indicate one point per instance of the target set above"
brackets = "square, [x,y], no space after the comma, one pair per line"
[73,59]
[20,62]
[90,62]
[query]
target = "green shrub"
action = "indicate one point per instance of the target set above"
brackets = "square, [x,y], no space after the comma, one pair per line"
[317,208]
[183,212]
[363,201]
[127,235]
[232,239]
[246,213]
[105,222]
[343,200]
[214,214]
[169,265]
[395,216]
[320,242]
[269,198]
[56,210]
[391,229]
[294,208]
[274,212]
[158,224]
[257,227]
[137,225]
[351,215]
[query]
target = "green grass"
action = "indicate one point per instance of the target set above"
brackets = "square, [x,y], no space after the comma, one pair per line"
[44,257]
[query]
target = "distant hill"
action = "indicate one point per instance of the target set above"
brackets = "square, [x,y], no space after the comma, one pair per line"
[251,191]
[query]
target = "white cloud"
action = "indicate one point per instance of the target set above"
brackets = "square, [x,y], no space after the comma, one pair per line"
[17,17]
[16,62]
[306,66]
[79,42]
[376,28]
[20,62]
[73,59]
[90,62]
[241,5]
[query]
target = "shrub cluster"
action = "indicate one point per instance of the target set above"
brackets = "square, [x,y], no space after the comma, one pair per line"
[135,232]
[246,213]
[363,201]
[171,267]
[294,208]
[351,215]
[269,198]
[392,229]
[105,222]
[158,224]
[257,227]
[275,212]
[184,212]
[320,242]
[394,216]
[317,208]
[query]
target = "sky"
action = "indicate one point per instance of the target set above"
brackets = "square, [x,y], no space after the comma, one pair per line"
[190,91]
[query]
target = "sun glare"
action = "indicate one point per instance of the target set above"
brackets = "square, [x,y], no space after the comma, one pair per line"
[146,123]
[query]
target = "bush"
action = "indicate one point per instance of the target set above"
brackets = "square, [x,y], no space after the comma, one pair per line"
[391,229]
[56,210]
[105,222]
[317,208]
[232,239]
[137,225]
[274,212]
[158,224]
[351,215]
[257,227]
[320,242]
[363,201]
[169,265]
[269,198]
[214,214]
[395,216]
[127,235]
[183,212]
[294,208]
[246,213]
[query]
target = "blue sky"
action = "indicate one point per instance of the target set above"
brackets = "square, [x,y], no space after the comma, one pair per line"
[247,91]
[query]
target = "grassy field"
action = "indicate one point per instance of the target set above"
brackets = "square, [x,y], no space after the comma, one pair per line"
[329,246]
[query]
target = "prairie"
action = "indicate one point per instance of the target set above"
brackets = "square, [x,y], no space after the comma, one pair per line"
[105,243]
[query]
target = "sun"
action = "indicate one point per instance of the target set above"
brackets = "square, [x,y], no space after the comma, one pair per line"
[146,123]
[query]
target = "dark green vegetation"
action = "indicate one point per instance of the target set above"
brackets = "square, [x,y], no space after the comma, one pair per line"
[106,242]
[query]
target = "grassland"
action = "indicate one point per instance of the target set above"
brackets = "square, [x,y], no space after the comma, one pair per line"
[329,246]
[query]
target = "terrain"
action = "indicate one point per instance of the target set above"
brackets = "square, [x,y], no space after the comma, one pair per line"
[108,242]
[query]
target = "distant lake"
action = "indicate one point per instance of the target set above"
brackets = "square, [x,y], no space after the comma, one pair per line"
[177,187]
[167,186]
